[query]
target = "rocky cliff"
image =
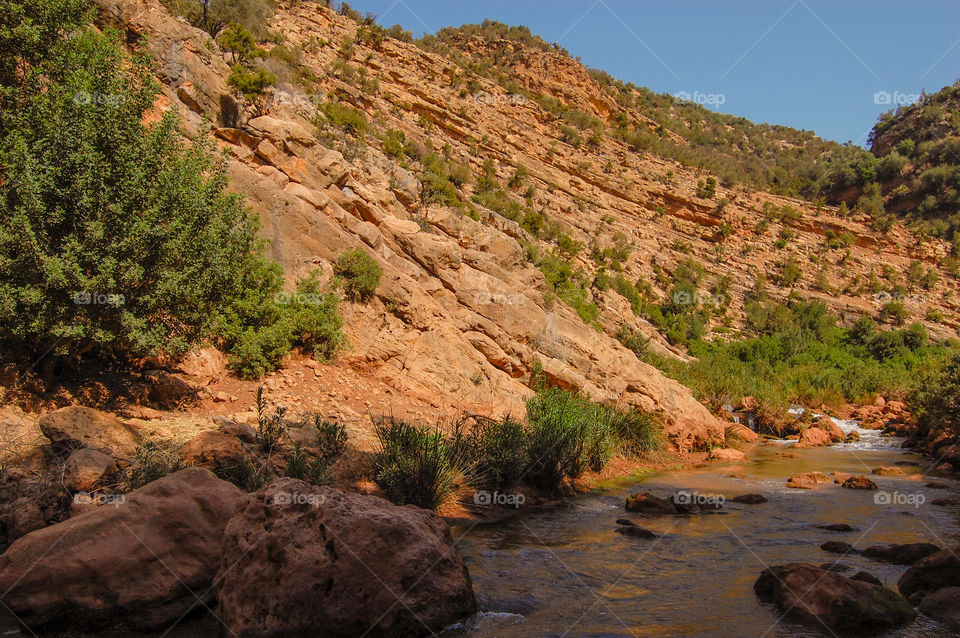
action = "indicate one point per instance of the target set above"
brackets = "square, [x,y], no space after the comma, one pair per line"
[462,316]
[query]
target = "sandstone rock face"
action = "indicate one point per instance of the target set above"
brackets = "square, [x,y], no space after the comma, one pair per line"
[305,560]
[74,427]
[932,573]
[130,562]
[822,598]
[813,437]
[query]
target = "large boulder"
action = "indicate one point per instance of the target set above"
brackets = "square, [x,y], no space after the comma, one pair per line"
[304,560]
[819,597]
[943,605]
[75,427]
[932,573]
[142,560]
[906,554]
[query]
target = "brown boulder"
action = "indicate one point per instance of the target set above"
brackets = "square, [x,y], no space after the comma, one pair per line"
[727,455]
[75,426]
[906,554]
[20,517]
[212,450]
[749,499]
[305,560]
[85,468]
[243,431]
[887,470]
[647,503]
[818,597]
[943,606]
[859,483]
[137,562]
[813,437]
[807,480]
[934,572]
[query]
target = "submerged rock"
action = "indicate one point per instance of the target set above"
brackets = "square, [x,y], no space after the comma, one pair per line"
[647,503]
[749,499]
[838,527]
[838,547]
[636,532]
[906,554]
[807,480]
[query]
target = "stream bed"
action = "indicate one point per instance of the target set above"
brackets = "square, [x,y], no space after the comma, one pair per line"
[565,572]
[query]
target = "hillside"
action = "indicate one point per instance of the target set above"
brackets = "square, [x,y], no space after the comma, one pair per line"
[512,229]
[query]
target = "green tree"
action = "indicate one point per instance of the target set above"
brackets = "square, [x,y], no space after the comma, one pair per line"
[116,237]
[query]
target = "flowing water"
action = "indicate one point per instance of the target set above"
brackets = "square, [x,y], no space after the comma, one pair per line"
[565,572]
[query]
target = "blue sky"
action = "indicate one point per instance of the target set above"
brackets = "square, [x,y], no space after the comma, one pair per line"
[809,64]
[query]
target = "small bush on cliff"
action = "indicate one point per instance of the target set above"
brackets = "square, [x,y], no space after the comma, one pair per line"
[359,272]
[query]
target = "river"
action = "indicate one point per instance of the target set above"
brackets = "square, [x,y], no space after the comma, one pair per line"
[565,572]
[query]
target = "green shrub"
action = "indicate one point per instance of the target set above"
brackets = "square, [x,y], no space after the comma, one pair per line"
[571,136]
[94,202]
[154,460]
[559,423]
[331,438]
[637,432]
[939,401]
[499,450]
[270,427]
[413,465]
[359,272]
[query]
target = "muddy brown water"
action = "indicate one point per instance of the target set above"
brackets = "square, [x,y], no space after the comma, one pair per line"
[567,573]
